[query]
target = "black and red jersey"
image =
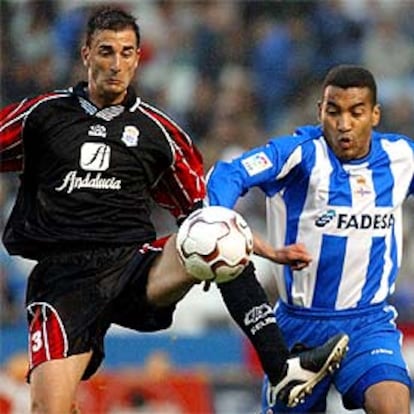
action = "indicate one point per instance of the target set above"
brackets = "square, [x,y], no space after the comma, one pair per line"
[88,175]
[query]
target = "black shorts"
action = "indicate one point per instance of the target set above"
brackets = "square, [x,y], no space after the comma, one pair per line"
[72,299]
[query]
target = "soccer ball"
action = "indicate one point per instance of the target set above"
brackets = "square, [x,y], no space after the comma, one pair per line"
[215,243]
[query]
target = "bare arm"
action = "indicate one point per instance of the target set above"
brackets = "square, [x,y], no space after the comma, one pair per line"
[294,255]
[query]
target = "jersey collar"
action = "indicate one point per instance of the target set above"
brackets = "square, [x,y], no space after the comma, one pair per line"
[107,113]
[81,90]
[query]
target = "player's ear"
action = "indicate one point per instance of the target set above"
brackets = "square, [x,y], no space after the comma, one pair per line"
[319,109]
[138,52]
[85,52]
[376,115]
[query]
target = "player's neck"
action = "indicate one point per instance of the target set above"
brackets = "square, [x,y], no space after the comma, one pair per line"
[101,99]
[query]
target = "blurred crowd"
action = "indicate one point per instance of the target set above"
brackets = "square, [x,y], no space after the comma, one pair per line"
[233,73]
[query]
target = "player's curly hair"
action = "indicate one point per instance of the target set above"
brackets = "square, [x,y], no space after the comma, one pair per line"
[348,76]
[111,18]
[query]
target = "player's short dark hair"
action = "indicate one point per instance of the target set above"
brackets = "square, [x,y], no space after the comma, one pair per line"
[111,18]
[348,76]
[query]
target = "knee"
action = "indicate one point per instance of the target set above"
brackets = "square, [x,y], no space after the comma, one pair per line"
[38,407]
[167,288]
[167,281]
[167,293]
[389,405]
[39,404]
[387,397]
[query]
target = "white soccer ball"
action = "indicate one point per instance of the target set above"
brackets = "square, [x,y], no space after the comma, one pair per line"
[215,243]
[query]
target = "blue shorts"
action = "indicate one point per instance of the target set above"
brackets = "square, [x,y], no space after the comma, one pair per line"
[374,352]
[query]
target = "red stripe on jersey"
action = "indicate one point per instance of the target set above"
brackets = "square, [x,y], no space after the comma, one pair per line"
[183,184]
[11,111]
[12,119]
[11,149]
[47,338]
[156,245]
[10,132]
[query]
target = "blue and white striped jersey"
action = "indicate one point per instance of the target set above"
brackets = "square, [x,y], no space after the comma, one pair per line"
[348,215]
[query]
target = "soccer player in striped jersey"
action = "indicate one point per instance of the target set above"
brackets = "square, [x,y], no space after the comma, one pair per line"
[93,159]
[337,188]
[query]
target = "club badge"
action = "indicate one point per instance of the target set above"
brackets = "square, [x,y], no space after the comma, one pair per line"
[130,136]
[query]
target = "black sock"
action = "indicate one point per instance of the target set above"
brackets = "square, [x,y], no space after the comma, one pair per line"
[247,303]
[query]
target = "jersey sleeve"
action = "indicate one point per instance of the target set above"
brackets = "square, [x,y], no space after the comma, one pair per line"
[12,118]
[227,181]
[266,167]
[181,188]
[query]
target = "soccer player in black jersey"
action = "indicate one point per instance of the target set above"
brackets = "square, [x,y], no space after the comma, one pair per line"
[91,158]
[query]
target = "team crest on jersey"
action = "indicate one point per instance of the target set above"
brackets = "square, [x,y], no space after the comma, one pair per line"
[97,131]
[256,163]
[130,136]
[363,188]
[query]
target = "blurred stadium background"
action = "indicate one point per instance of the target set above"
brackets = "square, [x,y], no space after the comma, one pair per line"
[233,73]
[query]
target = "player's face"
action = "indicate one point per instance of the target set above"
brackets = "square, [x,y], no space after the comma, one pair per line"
[111,59]
[347,117]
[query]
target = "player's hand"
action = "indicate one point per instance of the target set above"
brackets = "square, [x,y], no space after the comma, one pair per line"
[294,255]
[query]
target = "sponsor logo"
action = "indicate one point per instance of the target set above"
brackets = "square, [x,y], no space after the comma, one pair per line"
[257,313]
[382,351]
[356,221]
[97,131]
[325,218]
[130,136]
[365,221]
[256,163]
[262,323]
[73,182]
[95,156]
[259,317]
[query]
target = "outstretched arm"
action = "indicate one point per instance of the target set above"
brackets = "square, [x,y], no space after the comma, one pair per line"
[294,255]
